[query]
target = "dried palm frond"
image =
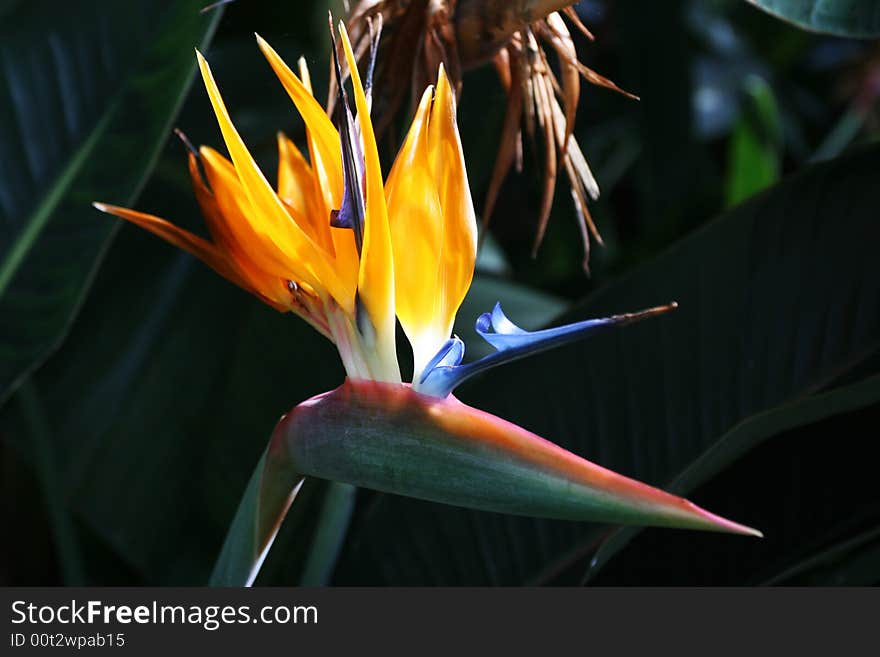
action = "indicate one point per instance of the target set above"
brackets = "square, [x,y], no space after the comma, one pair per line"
[517,37]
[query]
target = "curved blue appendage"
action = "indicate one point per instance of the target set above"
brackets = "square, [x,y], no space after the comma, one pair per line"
[496,329]
[445,372]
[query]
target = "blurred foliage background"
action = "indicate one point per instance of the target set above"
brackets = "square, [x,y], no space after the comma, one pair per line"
[137,389]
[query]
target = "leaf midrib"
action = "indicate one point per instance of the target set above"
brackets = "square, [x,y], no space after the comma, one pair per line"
[37,221]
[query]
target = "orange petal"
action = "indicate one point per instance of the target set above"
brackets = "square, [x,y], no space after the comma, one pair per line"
[328,192]
[269,218]
[235,210]
[295,183]
[272,289]
[328,185]
[201,248]
[323,138]
[325,156]
[296,187]
[300,189]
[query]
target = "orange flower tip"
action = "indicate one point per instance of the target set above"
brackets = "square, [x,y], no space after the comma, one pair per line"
[101,206]
[651,312]
[627,318]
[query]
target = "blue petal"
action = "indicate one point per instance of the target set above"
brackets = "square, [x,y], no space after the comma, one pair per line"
[505,332]
[445,372]
[441,371]
[504,335]
[449,355]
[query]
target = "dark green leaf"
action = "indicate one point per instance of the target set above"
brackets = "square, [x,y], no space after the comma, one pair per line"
[852,18]
[90,90]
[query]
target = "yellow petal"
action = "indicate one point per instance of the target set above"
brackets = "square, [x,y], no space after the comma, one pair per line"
[376,279]
[294,177]
[323,139]
[459,251]
[301,190]
[433,225]
[308,262]
[417,226]
[325,156]
[296,187]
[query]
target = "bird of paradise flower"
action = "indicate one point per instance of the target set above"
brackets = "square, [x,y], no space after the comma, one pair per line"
[352,256]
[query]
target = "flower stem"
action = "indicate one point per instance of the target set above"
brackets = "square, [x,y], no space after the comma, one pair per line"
[336,512]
